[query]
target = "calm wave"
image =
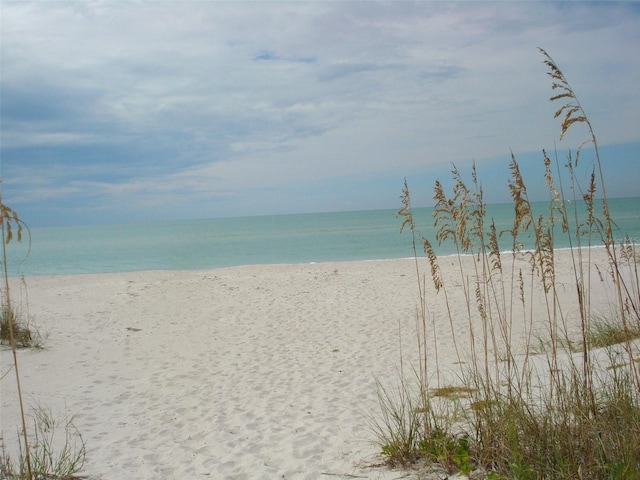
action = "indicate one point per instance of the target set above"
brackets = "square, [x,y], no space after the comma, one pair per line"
[204,244]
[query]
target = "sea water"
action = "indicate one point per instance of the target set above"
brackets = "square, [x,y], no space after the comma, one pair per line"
[301,238]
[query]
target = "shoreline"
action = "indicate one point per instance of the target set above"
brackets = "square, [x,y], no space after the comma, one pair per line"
[421,258]
[255,371]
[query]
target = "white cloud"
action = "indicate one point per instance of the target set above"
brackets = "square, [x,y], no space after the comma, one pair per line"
[227,98]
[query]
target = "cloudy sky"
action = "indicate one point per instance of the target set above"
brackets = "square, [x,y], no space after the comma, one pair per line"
[123,111]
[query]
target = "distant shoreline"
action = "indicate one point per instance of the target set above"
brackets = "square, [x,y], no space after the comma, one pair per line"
[286,239]
[421,258]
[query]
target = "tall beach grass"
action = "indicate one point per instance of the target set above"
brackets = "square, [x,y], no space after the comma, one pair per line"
[48,447]
[562,400]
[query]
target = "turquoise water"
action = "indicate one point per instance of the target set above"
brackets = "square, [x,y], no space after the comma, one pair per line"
[204,244]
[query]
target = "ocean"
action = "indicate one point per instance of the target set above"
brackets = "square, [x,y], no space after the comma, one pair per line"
[224,242]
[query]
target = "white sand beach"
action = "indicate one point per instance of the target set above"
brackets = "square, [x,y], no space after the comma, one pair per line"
[253,372]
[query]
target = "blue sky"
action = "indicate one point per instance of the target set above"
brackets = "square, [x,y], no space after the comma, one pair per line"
[122,111]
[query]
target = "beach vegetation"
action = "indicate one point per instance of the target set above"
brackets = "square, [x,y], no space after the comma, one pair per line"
[57,450]
[9,220]
[606,330]
[16,319]
[14,327]
[546,390]
[9,320]
[53,448]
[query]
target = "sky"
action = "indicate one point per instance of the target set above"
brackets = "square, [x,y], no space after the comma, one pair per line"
[129,111]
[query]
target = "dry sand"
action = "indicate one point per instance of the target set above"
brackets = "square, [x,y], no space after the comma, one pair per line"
[255,372]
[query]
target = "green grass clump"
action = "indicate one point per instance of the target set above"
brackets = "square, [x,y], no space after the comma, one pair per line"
[21,334]
[606,331]
[539,413]
[24,333]
[57,450]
